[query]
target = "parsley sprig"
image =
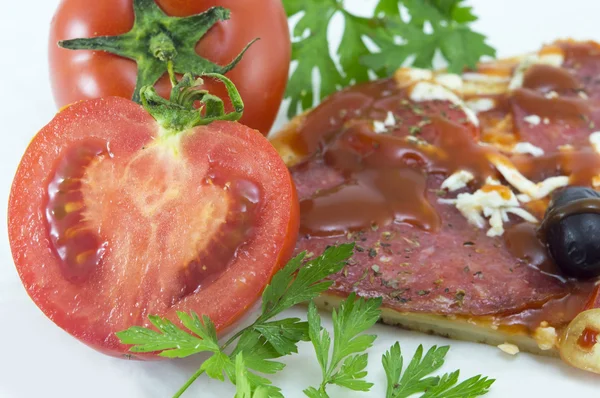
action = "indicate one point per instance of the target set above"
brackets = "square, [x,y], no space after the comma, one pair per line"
[250,355]
[345,365]
[259,344]
[416,378]
[433,26]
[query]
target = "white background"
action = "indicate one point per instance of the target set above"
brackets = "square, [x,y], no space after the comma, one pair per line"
[37,359]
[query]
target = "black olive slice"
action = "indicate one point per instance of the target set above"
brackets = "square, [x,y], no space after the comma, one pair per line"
[571,230]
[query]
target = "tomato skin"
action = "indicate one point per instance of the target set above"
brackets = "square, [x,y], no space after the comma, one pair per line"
[80,308]
[260,77]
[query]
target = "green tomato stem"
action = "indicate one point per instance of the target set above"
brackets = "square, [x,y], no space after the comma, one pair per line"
[157,39]
[178,113]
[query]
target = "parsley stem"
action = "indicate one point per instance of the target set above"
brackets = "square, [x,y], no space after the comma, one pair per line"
[188,383]
[199,372]
[235,337]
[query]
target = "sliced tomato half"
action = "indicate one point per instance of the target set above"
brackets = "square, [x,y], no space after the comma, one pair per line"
[111,220]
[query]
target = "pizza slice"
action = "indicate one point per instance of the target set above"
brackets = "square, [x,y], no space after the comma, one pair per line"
[445,183]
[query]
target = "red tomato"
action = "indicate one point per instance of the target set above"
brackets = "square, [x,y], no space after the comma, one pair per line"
[260,77]
[110,221]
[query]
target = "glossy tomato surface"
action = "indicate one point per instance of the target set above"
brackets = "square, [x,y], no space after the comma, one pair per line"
[260,77]
[111,220]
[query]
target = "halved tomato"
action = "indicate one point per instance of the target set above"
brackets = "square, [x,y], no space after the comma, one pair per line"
[111,218]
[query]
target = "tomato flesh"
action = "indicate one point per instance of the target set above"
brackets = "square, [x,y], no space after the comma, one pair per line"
[132,222]
[79,247]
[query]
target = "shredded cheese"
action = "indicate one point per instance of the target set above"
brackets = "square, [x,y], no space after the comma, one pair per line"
[495,201]
[426,91]
[481,104]
[508,348]
[526,148]
[483,77]
[545,336]
[406,76]
[382,127]
[491,201]
[450,80]
[533,119]
[458,180]
[379,127]
[553,59]
[524,185]
[595,141]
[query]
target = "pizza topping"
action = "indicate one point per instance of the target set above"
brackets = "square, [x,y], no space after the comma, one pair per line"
[481,104]
[491,201]
[382,127]
[425,91]
[527,149]
[571,229]
[595,141]
[579,346]
[588,338]
[450,80]
[458,180]
[552,59]
[406,76]
[545,336]
[523,184]
[533,119]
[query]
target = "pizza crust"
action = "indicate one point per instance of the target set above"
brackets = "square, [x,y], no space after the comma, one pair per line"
[452,328]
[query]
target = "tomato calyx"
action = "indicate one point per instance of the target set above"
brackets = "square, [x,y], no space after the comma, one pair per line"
[156,38]
[179,112]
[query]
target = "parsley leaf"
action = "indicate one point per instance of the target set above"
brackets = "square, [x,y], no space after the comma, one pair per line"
[345,366]
[216,365]
[433,26]
[285,291]
[280,333]
[416,377]
[447,388]
[170,339]
[310,52]
[244,384]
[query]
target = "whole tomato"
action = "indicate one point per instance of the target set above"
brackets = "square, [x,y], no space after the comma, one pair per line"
[260,76]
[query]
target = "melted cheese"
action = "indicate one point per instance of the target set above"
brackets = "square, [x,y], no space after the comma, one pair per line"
[481,104]
[525,148]
[458,180]
[595,141]
[382,127]
[545,58]
[426,91]
[524,185]
[492,203]
[533,119]
[450,80]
